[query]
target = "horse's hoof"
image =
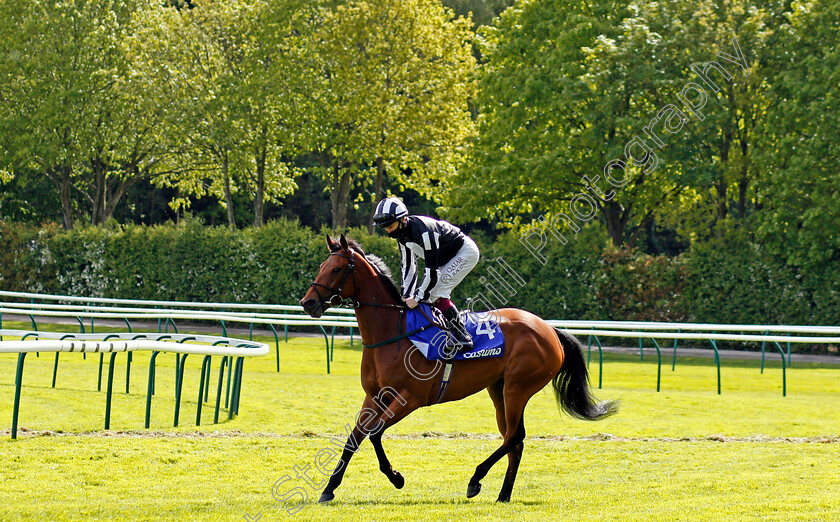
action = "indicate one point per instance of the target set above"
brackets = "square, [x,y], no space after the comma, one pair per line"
[397,480]
[473,490]
[503,499]
[325,497]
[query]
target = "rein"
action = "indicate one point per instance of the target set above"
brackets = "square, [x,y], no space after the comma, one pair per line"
[336,292]
[401,335]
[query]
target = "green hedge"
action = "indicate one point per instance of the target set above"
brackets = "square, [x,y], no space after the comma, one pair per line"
[188,262]
[730,280]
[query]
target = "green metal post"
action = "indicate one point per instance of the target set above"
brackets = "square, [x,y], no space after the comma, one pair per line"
[55,366]
[658,363]
[229,377]
[179,383]
[717,362]
[18,382]
[102,361]
[55,369]
[276,345]
[239,383]
[219,389]
[674,361]
[99,379]
[788,349]
[784,376]
[110,390]
[207,380]
[641,351]
[34,327]
[201,389]
[174,326]
[130,359]
[128,370]
[237,378]
[600,362]
[766,332]
[207,390]
[150,389]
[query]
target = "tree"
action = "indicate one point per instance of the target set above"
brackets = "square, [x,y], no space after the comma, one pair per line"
[572,102]
[385,89]
[800,213]
[72,113]
[218,62]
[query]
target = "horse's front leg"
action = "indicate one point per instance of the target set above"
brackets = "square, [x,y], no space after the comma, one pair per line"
[378,413]
[397,409]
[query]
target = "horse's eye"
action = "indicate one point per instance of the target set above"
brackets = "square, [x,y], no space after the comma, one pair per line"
[336,270]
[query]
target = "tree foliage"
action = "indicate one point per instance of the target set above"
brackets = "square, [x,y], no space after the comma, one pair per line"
[801,201]
[71,110]
[221,65]
[386,86]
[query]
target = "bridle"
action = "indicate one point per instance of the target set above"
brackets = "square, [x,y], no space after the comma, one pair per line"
[336,292]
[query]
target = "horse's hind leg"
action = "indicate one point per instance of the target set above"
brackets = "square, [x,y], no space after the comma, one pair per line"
[514,434]
[496,392]
[514,457]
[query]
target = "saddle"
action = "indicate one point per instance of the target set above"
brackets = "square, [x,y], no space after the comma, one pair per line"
[435,342]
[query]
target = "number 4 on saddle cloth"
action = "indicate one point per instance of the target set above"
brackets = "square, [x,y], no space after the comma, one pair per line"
[434,342]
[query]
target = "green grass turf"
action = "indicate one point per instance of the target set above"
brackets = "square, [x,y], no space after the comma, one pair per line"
[685,453]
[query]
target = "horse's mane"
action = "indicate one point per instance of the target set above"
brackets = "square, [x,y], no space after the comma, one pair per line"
[379,266]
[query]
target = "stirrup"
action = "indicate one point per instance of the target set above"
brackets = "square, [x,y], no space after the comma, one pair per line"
[459,338]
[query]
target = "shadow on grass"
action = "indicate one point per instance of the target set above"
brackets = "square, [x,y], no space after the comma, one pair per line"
[430,502]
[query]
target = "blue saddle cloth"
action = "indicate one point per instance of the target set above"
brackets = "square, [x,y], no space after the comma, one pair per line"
[434,343]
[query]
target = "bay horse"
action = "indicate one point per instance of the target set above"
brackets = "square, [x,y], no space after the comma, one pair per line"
[397,379]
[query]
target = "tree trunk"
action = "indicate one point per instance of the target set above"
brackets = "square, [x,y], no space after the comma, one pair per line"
[377,186]
[259,197]
[339,195]
[721,184]
[117,195]
[744,182]
[615,217]
[228,193]
[64,194]
[100,191]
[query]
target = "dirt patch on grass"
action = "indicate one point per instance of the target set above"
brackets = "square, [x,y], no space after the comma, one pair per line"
[598,437]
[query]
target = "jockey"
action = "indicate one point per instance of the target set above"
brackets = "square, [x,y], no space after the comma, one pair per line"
[448,255]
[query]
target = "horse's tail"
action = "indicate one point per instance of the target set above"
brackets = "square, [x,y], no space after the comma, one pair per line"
[571,384]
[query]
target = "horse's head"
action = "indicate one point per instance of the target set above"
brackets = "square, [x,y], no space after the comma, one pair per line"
[334,282]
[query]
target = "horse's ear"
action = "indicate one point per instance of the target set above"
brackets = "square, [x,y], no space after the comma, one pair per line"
[343,241]
[332,245]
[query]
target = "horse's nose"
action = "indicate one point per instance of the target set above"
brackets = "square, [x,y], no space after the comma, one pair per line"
[310,306]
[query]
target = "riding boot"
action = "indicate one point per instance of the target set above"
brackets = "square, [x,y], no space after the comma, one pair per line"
[462,340]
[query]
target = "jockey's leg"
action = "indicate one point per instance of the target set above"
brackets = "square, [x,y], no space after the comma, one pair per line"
[463,340]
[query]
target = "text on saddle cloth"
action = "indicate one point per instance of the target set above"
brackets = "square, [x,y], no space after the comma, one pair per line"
[434,343]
